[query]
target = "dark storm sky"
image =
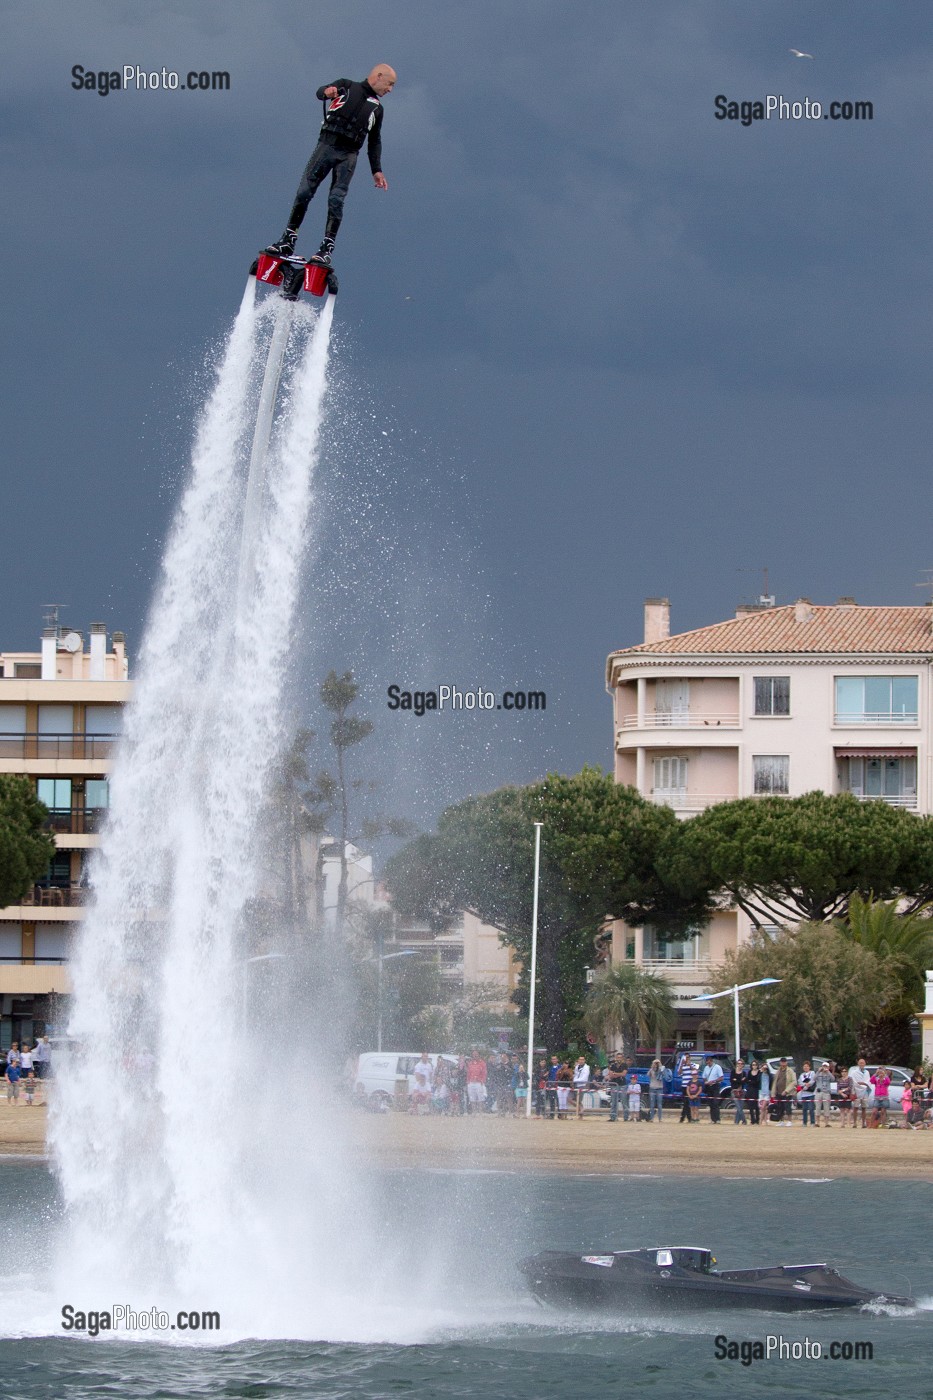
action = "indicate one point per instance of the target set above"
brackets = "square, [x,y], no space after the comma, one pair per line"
[593,344]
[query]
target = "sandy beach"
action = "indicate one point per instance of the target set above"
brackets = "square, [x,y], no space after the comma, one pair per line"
[488,1143]
[598,1146]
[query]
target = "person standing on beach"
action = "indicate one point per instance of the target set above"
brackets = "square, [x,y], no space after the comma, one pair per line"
[806,1089]
[13,1076]
[739,1081]
[823,1086]
[693,1093]
[552,1073]
[42,1057]
[752,1087]
[785,1084]
[658,1079]
[881,1082]
[476,1082]
[712,1085]
[615,1078]
[860,1080]
[581,1078]
[764,1093]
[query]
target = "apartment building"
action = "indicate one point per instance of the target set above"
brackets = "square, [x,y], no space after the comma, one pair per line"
[777,700]
[60,716]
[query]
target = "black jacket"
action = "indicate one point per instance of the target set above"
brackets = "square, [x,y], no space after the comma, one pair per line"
[352,117]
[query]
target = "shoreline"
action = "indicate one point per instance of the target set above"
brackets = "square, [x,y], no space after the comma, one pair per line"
[589,1146]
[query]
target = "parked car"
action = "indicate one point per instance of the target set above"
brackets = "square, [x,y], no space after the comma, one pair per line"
[383,1076]
[689,1060]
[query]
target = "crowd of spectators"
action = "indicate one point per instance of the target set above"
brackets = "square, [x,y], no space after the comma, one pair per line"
[474,1083]
[757,1094]
[24,1070]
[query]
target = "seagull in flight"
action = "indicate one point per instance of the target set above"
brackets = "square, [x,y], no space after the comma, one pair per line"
[798,53]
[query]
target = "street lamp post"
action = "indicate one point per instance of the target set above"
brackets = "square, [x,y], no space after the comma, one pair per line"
[379,959]
[245,964]
[534,969]
[734,992]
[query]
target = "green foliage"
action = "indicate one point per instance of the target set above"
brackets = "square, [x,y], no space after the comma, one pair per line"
[829,985]
[629,1002]
[602,849]
[903,942]
[788,859]
[25,846]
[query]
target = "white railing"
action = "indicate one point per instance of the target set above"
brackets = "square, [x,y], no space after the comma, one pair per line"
[685,719]
[683,801]
[903,799]
[701,962]
[844,718]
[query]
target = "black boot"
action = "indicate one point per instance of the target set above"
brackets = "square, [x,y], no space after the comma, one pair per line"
[323,253]
[285,246]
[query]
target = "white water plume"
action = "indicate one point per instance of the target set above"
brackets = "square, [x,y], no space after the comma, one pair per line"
[151,1124]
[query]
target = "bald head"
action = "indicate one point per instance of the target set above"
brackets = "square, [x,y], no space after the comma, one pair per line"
[382,79]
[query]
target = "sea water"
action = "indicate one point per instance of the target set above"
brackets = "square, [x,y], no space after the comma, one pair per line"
[452,1317]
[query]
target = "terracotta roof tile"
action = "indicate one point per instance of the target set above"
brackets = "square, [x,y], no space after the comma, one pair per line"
[805,628]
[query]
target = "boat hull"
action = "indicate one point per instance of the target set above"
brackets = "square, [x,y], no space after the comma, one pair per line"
[634,1284]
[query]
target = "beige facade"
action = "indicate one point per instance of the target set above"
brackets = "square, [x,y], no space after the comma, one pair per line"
[777,700]
[60,716]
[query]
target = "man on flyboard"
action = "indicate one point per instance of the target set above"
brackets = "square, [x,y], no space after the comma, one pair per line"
[352,115]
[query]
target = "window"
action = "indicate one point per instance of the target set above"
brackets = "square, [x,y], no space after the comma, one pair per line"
[12,731]
[671,702]
[103,720]
[97,794]
[670,779]
[876,700]
[771,773]
[55,793]
[56,719]
[893,780]
[772,695]
[658,948]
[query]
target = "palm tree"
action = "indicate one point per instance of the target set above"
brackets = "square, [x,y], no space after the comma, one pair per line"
[626,1001]
[904,943]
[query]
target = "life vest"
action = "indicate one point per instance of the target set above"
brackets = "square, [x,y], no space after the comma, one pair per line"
[351,115]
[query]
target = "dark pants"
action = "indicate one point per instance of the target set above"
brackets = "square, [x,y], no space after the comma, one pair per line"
[713,1106]
[339,165]
[551,1102]
[753,1111]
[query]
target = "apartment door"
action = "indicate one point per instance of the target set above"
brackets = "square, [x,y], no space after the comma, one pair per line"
[672,702]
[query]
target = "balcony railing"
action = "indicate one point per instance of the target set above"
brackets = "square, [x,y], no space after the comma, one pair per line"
[33,962]
[56,745]
[684,801]
[686,719]
[879,717]
[56,896]
[76,821]
[900,799]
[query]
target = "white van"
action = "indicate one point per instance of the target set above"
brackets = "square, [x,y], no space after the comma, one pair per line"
[384,1077]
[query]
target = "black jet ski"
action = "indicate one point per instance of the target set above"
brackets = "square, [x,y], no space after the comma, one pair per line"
[684,1276]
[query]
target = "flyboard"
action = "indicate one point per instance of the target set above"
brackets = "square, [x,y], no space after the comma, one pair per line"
[293,276]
